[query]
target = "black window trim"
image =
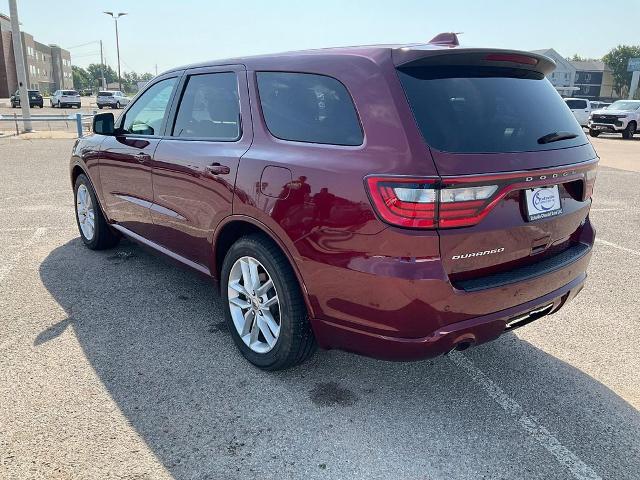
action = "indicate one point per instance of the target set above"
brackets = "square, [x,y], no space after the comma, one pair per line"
[175,107]
[353,103]
[120,120]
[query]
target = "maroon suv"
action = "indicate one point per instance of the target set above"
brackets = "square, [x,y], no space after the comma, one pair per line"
[394,201]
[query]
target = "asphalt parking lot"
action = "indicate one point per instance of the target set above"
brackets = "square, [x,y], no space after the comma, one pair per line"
[88,107]
[117,364]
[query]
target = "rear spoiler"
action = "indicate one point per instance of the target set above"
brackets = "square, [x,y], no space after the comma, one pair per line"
[431,55]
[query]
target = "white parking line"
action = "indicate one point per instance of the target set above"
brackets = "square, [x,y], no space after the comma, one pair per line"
[13,261]
[33,195]
[546,439]
[30,229]
[619,247]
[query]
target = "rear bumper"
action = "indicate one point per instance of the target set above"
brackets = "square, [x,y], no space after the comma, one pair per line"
[474,331]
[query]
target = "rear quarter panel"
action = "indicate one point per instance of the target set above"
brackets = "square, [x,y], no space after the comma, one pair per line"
[323,214]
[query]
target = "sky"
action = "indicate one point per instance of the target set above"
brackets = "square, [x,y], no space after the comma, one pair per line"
[168,34]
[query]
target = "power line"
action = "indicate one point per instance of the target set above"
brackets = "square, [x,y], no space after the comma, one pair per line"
[83,44]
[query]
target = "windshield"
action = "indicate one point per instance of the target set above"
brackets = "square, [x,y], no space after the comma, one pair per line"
[488,109]
[627,106]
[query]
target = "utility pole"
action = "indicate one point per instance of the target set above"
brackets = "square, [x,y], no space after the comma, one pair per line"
[20,69]
[104,84]
[115,18]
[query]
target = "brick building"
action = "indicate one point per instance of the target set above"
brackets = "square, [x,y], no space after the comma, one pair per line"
[48,67]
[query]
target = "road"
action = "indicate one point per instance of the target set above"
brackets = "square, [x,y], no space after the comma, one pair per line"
[117,364]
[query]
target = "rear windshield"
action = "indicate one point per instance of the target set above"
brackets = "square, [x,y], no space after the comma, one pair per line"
[487,109]
[105,94]
[34,91]
[576,104]
[70,92]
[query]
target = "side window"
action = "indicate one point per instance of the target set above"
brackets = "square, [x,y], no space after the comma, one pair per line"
[146,115]
[308,108]
[209,108]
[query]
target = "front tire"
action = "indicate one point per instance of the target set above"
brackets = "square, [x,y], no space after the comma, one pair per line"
[594,133]
[628,132]
[263,305]
[94,229]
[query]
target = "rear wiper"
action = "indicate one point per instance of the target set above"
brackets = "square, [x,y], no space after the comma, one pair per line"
[556,136]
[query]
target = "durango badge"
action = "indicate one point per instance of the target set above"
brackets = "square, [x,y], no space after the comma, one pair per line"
[478,254]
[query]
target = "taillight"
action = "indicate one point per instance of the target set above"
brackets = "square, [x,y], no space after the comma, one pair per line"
[404,202]
[460,207]
[420,203]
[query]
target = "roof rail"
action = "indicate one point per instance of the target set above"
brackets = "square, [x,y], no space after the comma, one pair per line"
[447,38]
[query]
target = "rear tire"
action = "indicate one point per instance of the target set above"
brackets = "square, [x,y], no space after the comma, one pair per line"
[86,205]
[628,132]
[594,133]
[294,341]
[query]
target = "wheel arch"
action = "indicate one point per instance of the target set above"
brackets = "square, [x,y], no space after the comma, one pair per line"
[236,226]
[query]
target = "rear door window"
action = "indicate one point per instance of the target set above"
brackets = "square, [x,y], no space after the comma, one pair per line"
[476,109]
[311,108]
[209,108]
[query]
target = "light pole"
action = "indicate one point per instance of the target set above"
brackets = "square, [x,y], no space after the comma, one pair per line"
[20,68]
[115,18]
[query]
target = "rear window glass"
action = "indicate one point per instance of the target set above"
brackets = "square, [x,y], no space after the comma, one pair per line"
[487,109]
[105,94]
[308,108]
[576,104]
[70,92]
[210,108]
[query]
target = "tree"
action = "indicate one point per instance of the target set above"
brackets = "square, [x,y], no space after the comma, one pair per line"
[618,59]
[576,58]
[81,78]
[94,71]
[130,80]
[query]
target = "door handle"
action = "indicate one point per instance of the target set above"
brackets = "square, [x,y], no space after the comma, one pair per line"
[217,169]
[142,157]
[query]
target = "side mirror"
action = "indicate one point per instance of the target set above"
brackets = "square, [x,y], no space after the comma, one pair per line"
[103,124]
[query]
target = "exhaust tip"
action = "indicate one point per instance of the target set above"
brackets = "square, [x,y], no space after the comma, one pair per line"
[460,347]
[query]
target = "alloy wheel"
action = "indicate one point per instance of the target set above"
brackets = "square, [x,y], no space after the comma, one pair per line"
[85,212]
[254,304]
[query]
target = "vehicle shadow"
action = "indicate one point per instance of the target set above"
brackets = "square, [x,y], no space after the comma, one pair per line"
[154,335]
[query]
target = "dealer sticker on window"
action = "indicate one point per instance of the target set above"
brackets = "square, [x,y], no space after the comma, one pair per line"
[543,202]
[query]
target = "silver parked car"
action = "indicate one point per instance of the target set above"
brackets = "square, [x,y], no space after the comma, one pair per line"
[63,98]
[112,98]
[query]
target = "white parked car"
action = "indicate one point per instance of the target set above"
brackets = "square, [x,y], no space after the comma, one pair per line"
[622,117]
[581,109]
[112,98]
[65,98]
